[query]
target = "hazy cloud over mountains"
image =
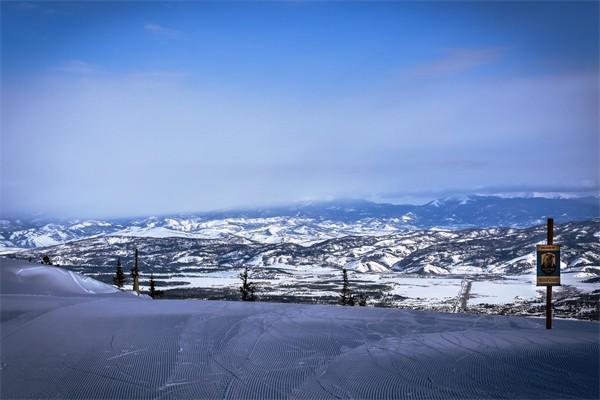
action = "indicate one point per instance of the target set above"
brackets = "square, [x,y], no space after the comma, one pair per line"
[103,115]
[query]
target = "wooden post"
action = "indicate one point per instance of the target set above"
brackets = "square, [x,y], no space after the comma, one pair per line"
[549,240]
[135,273]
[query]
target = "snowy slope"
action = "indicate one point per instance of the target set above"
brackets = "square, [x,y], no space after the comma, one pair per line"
[26,278]
[118,346]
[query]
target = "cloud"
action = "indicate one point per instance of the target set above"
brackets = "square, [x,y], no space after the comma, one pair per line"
[507,191]
[159,74]
[464,164]
[161,30]
[26,6]
[78,67]
[157,142]
[458,60]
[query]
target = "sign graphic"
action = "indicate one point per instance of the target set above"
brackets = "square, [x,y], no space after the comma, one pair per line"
[548,265]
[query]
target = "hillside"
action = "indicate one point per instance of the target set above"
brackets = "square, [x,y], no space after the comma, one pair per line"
[484,251]
[87,341]
[307,223]
[420,269]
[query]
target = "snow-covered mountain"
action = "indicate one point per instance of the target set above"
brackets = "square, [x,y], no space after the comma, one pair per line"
[505,251]
[308,223]
[21,234]
[479,269]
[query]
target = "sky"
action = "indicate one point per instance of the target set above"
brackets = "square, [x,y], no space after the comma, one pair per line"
[139,108]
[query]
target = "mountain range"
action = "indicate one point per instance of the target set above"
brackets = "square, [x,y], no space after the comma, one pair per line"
[307,223]
[507,251]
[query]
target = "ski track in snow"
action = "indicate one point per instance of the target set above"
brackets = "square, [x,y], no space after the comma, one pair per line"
[112,345]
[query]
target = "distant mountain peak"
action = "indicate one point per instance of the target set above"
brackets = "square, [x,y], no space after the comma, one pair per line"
[325,219]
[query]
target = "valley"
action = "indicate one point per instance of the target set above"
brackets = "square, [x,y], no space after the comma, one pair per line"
[477,270]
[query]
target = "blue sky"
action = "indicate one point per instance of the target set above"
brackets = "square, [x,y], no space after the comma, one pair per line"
[113,109]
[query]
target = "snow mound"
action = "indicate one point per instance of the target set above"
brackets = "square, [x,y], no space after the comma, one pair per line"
[21,277]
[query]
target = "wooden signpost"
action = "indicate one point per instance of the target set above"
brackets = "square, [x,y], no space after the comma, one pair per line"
[548,269]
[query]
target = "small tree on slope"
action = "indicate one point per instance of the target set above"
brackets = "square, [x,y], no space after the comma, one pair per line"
[362,300]
[153,292]
[119,278]
[247,289]
[346,298]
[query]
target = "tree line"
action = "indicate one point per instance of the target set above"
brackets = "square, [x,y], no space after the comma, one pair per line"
[247,289]
[119,279]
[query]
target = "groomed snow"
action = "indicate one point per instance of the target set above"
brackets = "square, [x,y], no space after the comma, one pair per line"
[25,278]
[94,344]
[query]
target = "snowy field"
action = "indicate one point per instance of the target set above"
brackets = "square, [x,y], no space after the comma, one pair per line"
[68,336]
[434,292]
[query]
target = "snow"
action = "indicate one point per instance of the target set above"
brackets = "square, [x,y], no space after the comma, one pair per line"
[503,267]
[503,291]
[189,259]
[22,277]
[407,217]
[465,269]
[116,240]
[389,259]
[367,266]
[513,288]
[213,280]
[432,269]
[431,289]
[111,345]
[573,279]
[154,232]
[435,203]
[9,250]
[44,240]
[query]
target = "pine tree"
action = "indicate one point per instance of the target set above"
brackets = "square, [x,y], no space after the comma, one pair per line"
[135,273]
[247,289]
[346,297]
[46,260]
[362,300]
[252,292]
[385,300]
[351,301]
[119,278]
[152,291]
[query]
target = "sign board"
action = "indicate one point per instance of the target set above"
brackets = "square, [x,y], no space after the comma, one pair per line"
[548,265]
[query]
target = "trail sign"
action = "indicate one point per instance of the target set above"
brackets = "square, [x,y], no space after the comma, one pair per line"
[548,265]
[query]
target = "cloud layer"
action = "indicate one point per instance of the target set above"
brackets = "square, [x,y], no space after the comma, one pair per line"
[143,108]
[148,142]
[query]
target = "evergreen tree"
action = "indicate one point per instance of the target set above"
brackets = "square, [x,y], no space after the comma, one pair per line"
[46,260]
[385,300]
[247,289]
[346,298]
[119,278]
[362,300]
[153,292]
[351,301]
